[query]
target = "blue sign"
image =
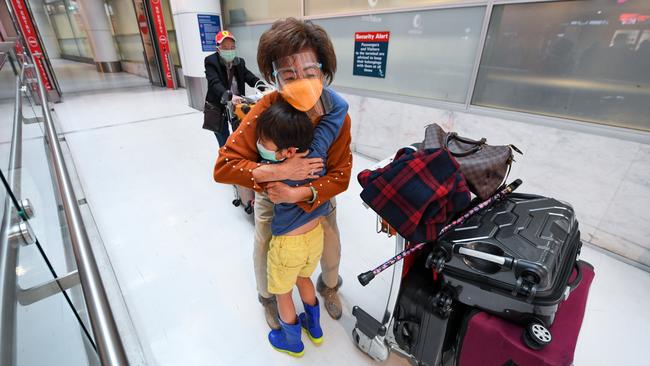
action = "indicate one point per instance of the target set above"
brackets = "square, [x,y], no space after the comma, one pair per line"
[370,54]
[209,26]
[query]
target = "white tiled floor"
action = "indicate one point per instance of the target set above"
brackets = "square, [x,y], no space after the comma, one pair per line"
[78,76]
[182,253]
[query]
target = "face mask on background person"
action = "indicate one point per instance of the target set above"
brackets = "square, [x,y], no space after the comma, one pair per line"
[228,55]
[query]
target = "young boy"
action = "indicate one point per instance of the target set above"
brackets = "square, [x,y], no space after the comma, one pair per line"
[297,242]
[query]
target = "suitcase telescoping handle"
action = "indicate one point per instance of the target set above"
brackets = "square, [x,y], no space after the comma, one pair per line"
[505,262]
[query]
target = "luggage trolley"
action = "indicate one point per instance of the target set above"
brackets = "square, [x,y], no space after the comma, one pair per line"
[377,338]
[436,300]
[244,197]
[371,336]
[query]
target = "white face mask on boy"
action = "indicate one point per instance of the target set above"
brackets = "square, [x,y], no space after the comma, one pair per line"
[266,154]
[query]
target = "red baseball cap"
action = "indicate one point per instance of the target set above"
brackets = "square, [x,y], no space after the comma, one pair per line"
[223,35]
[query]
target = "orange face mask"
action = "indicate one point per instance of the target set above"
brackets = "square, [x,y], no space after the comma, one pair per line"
[303,94]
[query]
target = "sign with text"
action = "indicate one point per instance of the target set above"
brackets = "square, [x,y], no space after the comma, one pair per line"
[209,26]
[33,43]
[163,41]
[370,54]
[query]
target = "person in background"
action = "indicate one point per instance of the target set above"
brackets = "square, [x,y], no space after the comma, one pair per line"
[225,72]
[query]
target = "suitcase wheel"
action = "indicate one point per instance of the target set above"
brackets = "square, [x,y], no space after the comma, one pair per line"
[355,336]
[436,260]
[249,209]
[537,336]
[236,202]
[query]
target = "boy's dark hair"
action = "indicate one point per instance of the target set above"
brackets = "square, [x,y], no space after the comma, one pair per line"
[285,126]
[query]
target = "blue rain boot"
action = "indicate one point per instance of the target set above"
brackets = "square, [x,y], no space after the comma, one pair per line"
[287,339]
[310,322]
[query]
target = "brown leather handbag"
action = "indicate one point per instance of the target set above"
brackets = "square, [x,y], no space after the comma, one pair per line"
[484,166]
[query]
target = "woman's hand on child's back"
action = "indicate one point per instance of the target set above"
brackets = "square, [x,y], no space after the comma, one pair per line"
[300,168]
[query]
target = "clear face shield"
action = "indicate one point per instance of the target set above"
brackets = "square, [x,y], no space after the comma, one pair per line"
[299,79]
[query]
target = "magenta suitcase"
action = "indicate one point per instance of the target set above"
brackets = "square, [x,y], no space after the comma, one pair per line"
[488,340]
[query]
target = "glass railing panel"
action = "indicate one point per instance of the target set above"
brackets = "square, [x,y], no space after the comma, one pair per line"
[48,323]
[45,321]
[36,184]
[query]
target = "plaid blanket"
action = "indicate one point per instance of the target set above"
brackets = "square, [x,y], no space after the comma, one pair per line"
[418,193]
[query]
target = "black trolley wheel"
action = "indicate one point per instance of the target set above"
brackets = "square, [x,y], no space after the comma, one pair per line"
[236,202]
[537,336]
[355,336]
[249,209]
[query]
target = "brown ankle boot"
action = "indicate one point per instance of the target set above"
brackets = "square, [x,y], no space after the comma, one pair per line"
[331,300]
[270,311]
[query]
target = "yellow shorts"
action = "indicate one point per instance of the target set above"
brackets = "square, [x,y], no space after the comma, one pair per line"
[291,257]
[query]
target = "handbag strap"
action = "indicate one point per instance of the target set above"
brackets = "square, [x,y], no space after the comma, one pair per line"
[510,161]
[454,136]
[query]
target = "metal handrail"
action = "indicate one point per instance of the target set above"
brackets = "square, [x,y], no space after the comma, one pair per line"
[109,344]
[9,252]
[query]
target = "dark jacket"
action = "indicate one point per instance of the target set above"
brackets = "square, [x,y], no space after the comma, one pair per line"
[217,75]
[418,193]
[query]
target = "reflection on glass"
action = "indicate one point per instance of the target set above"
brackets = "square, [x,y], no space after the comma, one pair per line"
[68,27]
[148,44]
[125,30]
[585,60]
[240,11]
[171,32]
[58,15]
[248,38]
[430,53]
[319,7]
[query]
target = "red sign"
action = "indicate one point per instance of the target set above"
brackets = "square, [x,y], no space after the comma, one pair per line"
[29,32]
[371,36]
[370,54]
[33,42]
[633,18]
[161,33]
[142,23]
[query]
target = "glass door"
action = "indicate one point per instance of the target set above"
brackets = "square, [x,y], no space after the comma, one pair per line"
[151,54]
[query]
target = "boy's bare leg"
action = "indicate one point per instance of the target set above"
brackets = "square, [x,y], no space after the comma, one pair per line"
[286,309]
[307,291]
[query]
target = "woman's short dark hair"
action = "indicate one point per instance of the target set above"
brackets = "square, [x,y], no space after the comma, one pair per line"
[289,36]
[285,126]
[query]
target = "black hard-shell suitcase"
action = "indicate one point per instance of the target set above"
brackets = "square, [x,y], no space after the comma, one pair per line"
[513,259]
[426,319]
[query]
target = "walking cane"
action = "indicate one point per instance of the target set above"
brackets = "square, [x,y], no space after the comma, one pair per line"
[366,277]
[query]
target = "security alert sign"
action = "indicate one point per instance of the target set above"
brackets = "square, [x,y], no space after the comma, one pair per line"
[370,54]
